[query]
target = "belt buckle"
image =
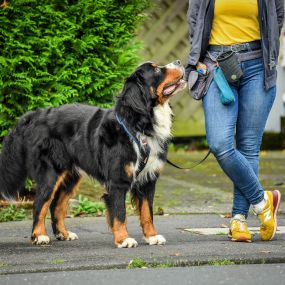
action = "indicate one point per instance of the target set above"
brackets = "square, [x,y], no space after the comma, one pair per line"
[235,48]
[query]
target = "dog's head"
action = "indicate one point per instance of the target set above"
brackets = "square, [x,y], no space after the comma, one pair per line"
[162,81]
[151,84]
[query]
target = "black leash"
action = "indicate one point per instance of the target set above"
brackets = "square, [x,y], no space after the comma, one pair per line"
[145,150]
[194,165]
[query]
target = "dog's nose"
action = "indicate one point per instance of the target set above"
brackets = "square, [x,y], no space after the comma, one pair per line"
[177,62]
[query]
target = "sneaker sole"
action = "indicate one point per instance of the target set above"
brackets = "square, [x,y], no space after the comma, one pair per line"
[276,202]
[241,240]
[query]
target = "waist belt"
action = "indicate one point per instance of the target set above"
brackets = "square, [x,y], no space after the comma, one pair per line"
[244,56]
[250,46]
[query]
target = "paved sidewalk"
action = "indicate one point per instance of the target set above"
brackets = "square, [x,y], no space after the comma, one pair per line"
[253,274]
[95,249]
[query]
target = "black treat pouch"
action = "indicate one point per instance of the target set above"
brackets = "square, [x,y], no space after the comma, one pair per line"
[230,66]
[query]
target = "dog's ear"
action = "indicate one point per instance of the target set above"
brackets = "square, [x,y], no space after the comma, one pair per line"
[136,95]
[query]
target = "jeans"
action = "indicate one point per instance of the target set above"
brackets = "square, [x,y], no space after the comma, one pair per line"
[234,132]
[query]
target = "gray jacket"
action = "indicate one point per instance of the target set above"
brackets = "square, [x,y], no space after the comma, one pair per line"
[271,16]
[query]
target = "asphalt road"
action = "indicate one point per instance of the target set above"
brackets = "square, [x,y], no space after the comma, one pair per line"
[95,249]
[204,275]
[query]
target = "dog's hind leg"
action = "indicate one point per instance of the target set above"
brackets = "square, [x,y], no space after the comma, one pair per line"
[115,203]
[59,205]
[48,185]
[143,198]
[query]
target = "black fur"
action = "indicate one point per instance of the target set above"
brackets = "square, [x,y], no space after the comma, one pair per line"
[48,142]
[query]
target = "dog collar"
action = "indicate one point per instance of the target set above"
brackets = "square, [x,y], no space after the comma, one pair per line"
[142,144]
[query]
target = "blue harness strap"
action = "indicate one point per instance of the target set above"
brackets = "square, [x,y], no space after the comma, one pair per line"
[132,138]
[144,148]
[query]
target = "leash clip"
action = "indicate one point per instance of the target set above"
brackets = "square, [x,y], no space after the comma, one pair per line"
[144,141]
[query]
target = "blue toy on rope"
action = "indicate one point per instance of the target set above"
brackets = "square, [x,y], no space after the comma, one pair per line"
[226,94]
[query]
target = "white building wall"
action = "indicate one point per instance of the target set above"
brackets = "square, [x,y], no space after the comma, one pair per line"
[278,109]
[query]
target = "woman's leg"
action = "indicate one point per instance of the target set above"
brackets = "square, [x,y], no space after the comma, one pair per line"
[220,128]
[220,123]
[254,106]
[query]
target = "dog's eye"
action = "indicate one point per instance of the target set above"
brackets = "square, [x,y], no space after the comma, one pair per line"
[157,70]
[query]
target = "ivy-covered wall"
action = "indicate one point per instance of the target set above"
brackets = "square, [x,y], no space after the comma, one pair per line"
[58,51]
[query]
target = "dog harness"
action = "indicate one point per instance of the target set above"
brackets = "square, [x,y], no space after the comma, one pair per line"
[144,150]
[142,144]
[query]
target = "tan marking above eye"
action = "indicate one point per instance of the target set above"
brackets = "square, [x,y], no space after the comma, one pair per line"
[154,65]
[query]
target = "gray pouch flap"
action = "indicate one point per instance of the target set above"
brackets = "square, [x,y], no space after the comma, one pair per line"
[199,83]
[193,76]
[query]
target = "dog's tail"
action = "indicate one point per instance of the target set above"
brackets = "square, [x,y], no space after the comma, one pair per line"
[12,165]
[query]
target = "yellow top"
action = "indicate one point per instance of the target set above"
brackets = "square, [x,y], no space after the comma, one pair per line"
[235,22]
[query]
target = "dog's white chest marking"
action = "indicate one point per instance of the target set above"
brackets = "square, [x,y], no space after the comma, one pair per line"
[162,132]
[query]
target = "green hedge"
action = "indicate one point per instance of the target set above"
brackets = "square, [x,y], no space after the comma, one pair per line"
[54,52]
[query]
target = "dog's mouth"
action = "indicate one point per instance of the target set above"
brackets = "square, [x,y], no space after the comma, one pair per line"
[173,86]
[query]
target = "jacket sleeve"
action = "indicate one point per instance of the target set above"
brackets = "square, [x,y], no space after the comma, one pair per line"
[279,4]
[192,13]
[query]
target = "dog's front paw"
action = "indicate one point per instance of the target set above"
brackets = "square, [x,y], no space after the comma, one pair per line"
[41,239]
[158,239]
[128,242]
[70,236]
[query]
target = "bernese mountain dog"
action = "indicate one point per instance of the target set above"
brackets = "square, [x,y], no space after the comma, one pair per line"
[123,148]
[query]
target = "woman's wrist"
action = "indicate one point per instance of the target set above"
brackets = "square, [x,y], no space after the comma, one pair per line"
[188,69]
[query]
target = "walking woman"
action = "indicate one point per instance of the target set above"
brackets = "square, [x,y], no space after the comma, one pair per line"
[250,29]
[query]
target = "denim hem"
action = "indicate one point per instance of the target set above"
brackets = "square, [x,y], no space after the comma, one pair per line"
[256,201]
[238,212]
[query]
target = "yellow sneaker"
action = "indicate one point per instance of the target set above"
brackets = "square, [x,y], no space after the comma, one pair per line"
[238,229]
[268,217]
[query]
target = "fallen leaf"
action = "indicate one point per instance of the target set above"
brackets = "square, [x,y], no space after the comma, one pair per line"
[226,216]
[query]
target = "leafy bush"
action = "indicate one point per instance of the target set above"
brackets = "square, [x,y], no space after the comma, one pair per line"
[59,51]
[12,213]
[87,207]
